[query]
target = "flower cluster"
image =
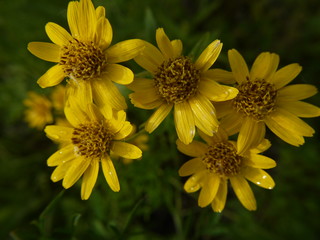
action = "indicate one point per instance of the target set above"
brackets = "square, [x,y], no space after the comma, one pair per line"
[211,103]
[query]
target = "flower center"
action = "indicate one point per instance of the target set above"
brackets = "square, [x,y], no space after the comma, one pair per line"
[92,140]
[222,158]
[82,60]
[255,99]
[176,80]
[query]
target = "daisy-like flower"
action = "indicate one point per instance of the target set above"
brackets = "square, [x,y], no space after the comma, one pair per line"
[90,139]
[85,56]
[217,162]
[38,112]
[265,100]
[179,83]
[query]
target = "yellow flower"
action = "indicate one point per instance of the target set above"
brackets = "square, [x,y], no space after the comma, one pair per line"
[216,162]
[86,56]
[180,83]
[87,143]
[38,112]
[265,100]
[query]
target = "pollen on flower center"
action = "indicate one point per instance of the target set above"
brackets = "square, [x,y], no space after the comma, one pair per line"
[82,60]
[255,99]
[222,159]
[177,80]
[92,139]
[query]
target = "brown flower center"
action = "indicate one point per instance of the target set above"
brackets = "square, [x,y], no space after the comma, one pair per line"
[222,159]
[93,139]
[177,80]
[82,60]
[255,99]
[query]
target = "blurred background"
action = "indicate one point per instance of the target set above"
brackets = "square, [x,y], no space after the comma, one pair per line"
[152,203]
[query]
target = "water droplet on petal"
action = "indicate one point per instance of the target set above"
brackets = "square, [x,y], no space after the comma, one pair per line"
[264,177]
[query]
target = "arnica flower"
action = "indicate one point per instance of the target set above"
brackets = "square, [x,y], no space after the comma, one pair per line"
[179,83]
[85,56]
[265,100]
[93,135]
[38,112]
[217,162]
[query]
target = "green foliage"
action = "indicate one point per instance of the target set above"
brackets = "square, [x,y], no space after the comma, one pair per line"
[152,203]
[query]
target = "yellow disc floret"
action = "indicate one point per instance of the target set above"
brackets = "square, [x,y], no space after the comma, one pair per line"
[176,80]
[92,139]
[222,159]
[82,60]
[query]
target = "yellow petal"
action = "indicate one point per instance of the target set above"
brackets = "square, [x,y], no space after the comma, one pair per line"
[150,58]
[100,12]
[61,156]
[157,117]
[73,18]
[141,84]
[209,190]
[79,93]
[46,51]
[263,146]
[259,161]
[126,150]
[204,114]
[59,133]
[193,183]
[124,51]
[231,123]
[118,120]
[87,20]
[119,74]
[164,44]
[208,56]
[259,177]
[219,201]
[219,75]
[273,66]
[215,91]
[146,98]
[192,166]
[104,33]
[193,149]
[264,66]
[292,123]
[110,173]
[177,47]
[296,92]
[57,34]
[106,93]
[89,179]
[285,75]
[224,109]
[94,113]
[124,132]
[243,192]
[251,134]
[78,167]
[286,134]
[300,109]
[238,66]
[60,171]
[52,77]
[184,122]
[75,115]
